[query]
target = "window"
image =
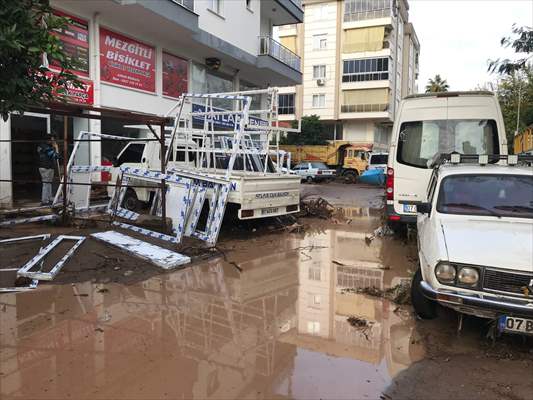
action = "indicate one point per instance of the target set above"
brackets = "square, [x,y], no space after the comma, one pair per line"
[420,141]
[319,100]
[320,42]
[131,154]
[366,69]
[497,195]
[314,300]
[314,272]
[319,71]
[364,39]
[215,6]
[323,11]
[356,10]
[365,100]
[313,327]
[377,159]
[286,103]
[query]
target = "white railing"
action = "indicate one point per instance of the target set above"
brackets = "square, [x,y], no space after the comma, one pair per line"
[189,4]
[364,108]
[272,48]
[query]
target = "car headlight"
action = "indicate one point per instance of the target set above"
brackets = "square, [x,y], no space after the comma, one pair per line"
[468,276]
[445,273]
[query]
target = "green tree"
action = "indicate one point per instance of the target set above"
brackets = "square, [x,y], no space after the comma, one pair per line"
[312,132]
[26,43]
[437,84]
[522,43]
[513,90]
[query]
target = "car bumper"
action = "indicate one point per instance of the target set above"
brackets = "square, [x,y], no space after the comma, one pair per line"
[393,216]
[483,307]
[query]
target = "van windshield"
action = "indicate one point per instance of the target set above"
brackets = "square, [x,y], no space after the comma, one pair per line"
[420,141]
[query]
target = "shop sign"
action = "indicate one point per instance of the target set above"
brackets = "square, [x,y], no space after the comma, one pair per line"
[175,75]
[126,62]
[74,38]
[79,95]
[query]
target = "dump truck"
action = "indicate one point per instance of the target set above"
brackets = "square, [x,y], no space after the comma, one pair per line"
[349,159]
[523,142]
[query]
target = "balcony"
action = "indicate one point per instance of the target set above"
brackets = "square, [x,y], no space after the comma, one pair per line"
[282,12]
[360,10]
[359,108]
[274,49]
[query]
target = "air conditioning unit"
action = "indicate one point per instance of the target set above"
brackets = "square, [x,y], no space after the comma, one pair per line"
[321,82]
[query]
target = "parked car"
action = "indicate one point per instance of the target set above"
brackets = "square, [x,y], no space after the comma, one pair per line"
[431,124]
[378,161]
[311,171]
[475,244]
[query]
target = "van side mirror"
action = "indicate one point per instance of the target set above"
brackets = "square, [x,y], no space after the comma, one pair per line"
[423,208]
[115,162]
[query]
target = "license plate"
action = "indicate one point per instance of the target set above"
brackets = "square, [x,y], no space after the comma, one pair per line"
[516,325]
[271,210]
[409,208]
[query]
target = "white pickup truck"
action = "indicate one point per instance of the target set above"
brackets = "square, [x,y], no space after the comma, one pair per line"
[256,194]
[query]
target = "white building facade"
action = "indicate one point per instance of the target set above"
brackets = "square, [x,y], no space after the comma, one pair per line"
[140,55]
[359,59]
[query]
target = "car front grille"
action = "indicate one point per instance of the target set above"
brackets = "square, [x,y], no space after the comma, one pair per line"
[508,282]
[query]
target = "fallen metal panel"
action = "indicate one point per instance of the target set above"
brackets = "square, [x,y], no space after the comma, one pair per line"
[48,276]
[178,202]
[159,256]
[195,211]
[146,232]
[25,238]
[40,218]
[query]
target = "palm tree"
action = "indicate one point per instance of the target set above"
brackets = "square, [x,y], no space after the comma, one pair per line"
[437,84]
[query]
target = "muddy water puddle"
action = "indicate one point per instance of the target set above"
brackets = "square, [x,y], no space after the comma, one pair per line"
[275,327]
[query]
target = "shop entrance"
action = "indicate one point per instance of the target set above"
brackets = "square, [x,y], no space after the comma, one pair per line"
[24,157]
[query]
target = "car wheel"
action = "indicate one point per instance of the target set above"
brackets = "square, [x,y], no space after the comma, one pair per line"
[309,179]
[131,202]
[424,308]
[350,177]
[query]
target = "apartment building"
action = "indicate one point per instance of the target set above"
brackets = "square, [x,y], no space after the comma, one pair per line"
[140,55]
[360,57]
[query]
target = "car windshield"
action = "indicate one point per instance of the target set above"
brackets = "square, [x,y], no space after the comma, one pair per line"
[496,195]
[319,165]
[420,141]
[378,159]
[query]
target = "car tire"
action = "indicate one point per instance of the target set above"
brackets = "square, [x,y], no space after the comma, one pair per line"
[309,179]
[350,177]
[424,308]
[131,202]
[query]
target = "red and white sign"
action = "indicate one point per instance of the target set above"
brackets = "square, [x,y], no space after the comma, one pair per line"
[175,75]
[83,95]
[126,62]
[74,38]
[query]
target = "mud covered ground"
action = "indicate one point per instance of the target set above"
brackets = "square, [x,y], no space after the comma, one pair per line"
[265,315]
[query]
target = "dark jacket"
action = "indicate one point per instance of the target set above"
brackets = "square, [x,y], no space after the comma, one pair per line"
[47,156]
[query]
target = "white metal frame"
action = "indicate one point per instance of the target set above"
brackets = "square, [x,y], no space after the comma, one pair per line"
[48,276]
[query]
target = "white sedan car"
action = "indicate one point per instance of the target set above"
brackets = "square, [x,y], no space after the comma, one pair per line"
[312,171]
[475,244]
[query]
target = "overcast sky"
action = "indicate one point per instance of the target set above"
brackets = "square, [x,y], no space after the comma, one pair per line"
[457,37]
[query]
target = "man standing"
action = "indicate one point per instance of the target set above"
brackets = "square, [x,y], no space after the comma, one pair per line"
[48,155]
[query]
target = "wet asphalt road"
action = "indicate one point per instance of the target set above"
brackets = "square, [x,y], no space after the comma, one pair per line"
[276,328]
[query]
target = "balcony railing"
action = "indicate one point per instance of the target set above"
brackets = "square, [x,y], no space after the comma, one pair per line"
[185,3]
[364,108]
[269,47]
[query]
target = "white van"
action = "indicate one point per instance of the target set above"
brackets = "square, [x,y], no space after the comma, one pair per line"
[431,124]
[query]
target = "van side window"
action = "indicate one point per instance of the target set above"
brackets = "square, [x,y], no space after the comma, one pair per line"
[132,154]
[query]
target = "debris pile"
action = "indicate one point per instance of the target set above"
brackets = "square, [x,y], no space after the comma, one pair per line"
[318,207]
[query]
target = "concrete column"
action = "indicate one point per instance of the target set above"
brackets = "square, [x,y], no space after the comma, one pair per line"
[6,190]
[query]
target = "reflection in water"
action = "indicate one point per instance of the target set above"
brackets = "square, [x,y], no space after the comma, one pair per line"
[277,329]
